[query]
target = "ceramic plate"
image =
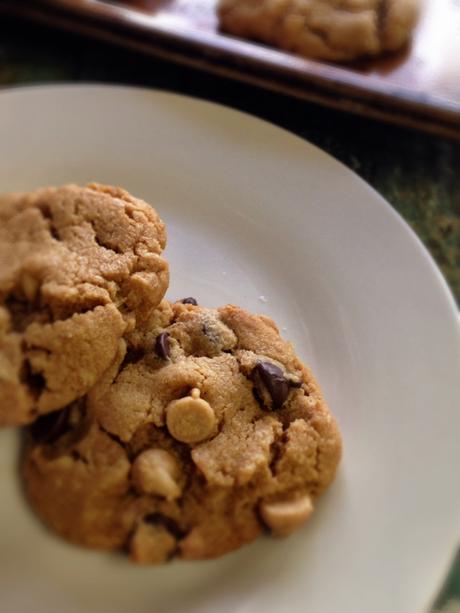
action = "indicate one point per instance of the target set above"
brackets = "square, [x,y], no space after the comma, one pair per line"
[263,219]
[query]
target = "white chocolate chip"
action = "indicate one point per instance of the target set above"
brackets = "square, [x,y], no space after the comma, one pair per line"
[283,517]
[151,544]
[156,471]
[190,419]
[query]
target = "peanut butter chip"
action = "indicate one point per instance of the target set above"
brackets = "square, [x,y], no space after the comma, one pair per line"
[283,517]
[155,471]
[190,419]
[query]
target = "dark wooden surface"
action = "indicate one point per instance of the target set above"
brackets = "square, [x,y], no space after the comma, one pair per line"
[417,173]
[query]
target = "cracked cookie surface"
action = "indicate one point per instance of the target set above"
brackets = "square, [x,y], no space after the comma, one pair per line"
[79,268]
[336,30]
[195,445]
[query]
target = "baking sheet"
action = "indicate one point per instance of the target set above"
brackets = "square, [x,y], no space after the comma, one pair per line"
[419,87]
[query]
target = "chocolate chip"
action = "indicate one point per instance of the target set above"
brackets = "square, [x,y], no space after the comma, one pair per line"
[272,386]
[162,346]
[189,300]
[295,384]
[48,428]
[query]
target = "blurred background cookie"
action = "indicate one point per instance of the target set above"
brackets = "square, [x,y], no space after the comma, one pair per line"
[336,30]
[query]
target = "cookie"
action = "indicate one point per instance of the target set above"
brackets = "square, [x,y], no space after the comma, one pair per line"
[338,30]
[211,432]
[79,268]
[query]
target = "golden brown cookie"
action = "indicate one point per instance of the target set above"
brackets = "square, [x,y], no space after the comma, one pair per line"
[337,30]
[211,432]
[79,268]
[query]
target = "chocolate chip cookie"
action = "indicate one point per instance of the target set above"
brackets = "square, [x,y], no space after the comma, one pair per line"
[337,30]
[210,432]
[80,267]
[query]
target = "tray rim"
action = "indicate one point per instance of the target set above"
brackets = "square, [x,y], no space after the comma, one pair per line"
[326,84]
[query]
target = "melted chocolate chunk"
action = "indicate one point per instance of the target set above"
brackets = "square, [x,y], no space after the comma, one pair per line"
[189,300]
[162,346]
[271,384]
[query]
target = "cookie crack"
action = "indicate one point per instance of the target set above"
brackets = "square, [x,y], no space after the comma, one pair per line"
[48,217]
[35,380]
[132,356]
[276,452]
[159,519]
[24,315]
[101,244]
[78,457]
[116,439]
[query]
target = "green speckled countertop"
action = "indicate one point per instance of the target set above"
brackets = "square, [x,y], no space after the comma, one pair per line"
[418,174]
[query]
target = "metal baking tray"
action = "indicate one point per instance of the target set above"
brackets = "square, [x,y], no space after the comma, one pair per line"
[418,87]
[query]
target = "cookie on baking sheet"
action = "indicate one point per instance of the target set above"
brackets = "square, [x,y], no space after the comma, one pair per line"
[211,432]
[79,267]
[337,30]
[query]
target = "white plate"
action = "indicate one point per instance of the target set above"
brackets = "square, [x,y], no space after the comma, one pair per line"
[253,211]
